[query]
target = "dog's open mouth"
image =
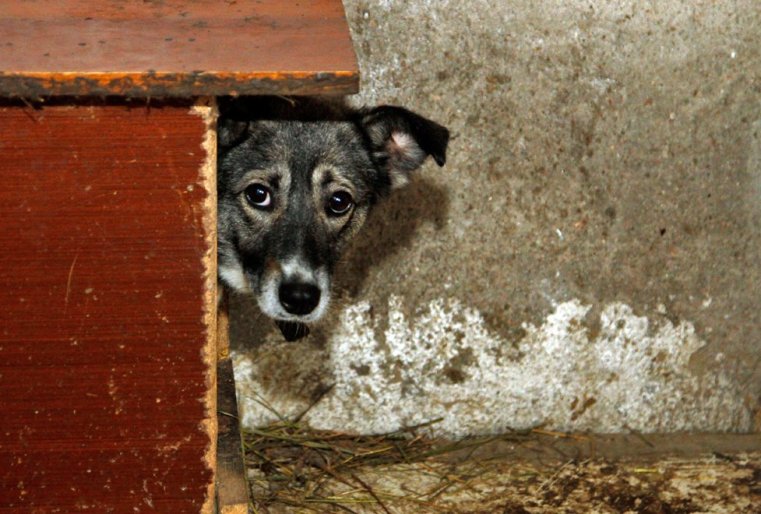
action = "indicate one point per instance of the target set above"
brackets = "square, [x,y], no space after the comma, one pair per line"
[292,330]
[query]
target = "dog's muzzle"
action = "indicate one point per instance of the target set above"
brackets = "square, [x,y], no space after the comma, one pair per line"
[298,298]
[295,293]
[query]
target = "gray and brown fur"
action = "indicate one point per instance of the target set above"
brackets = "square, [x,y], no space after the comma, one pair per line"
[308,154]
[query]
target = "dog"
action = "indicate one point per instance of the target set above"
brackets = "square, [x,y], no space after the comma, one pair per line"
[297,177]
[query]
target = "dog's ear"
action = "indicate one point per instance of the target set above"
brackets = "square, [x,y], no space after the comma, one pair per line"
[230,132]
[401,140]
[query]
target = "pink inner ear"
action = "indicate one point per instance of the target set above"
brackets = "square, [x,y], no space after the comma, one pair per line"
[405,155]
[403,143]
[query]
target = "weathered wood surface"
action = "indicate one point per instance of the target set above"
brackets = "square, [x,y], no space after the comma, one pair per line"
[174,48]
[107,284]
[232,489]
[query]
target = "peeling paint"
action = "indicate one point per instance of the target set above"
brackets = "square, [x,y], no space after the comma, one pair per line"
[206,109]
[632,373]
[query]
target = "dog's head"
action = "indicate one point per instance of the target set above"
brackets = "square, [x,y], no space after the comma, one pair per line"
[297,178]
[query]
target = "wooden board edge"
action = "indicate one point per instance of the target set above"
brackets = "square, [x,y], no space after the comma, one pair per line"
[152,84]
[232,485]
[234,509]
[223,324]
[206,109]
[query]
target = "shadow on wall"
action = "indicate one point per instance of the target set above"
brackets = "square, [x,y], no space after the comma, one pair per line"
[391,227]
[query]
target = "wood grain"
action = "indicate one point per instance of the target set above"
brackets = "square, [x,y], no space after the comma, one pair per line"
[175,48]
[232,487]
[104,323]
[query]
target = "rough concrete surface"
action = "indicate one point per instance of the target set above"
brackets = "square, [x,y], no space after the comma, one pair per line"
[588,259]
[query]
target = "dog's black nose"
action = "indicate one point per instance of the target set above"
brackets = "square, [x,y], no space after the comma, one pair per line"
[299,298]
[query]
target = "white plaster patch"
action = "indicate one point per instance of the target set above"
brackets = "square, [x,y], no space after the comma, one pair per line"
[632,374]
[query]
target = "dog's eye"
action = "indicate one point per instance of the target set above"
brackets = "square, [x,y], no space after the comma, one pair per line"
[258,196]
[339,203]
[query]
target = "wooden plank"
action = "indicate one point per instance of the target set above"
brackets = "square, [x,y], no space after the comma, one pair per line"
[232,488]
[223,325]
[175,48]
[107,309]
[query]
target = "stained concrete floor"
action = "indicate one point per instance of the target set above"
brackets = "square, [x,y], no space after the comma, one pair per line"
[549,474]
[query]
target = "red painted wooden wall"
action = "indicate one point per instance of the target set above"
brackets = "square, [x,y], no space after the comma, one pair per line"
[107,236]
[106,273]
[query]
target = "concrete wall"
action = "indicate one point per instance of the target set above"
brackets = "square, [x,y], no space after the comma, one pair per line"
[589,258]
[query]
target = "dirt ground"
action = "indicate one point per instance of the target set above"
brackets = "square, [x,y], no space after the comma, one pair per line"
[540,472]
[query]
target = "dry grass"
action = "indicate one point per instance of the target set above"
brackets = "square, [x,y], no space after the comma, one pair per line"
[293,468]
[291,465]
